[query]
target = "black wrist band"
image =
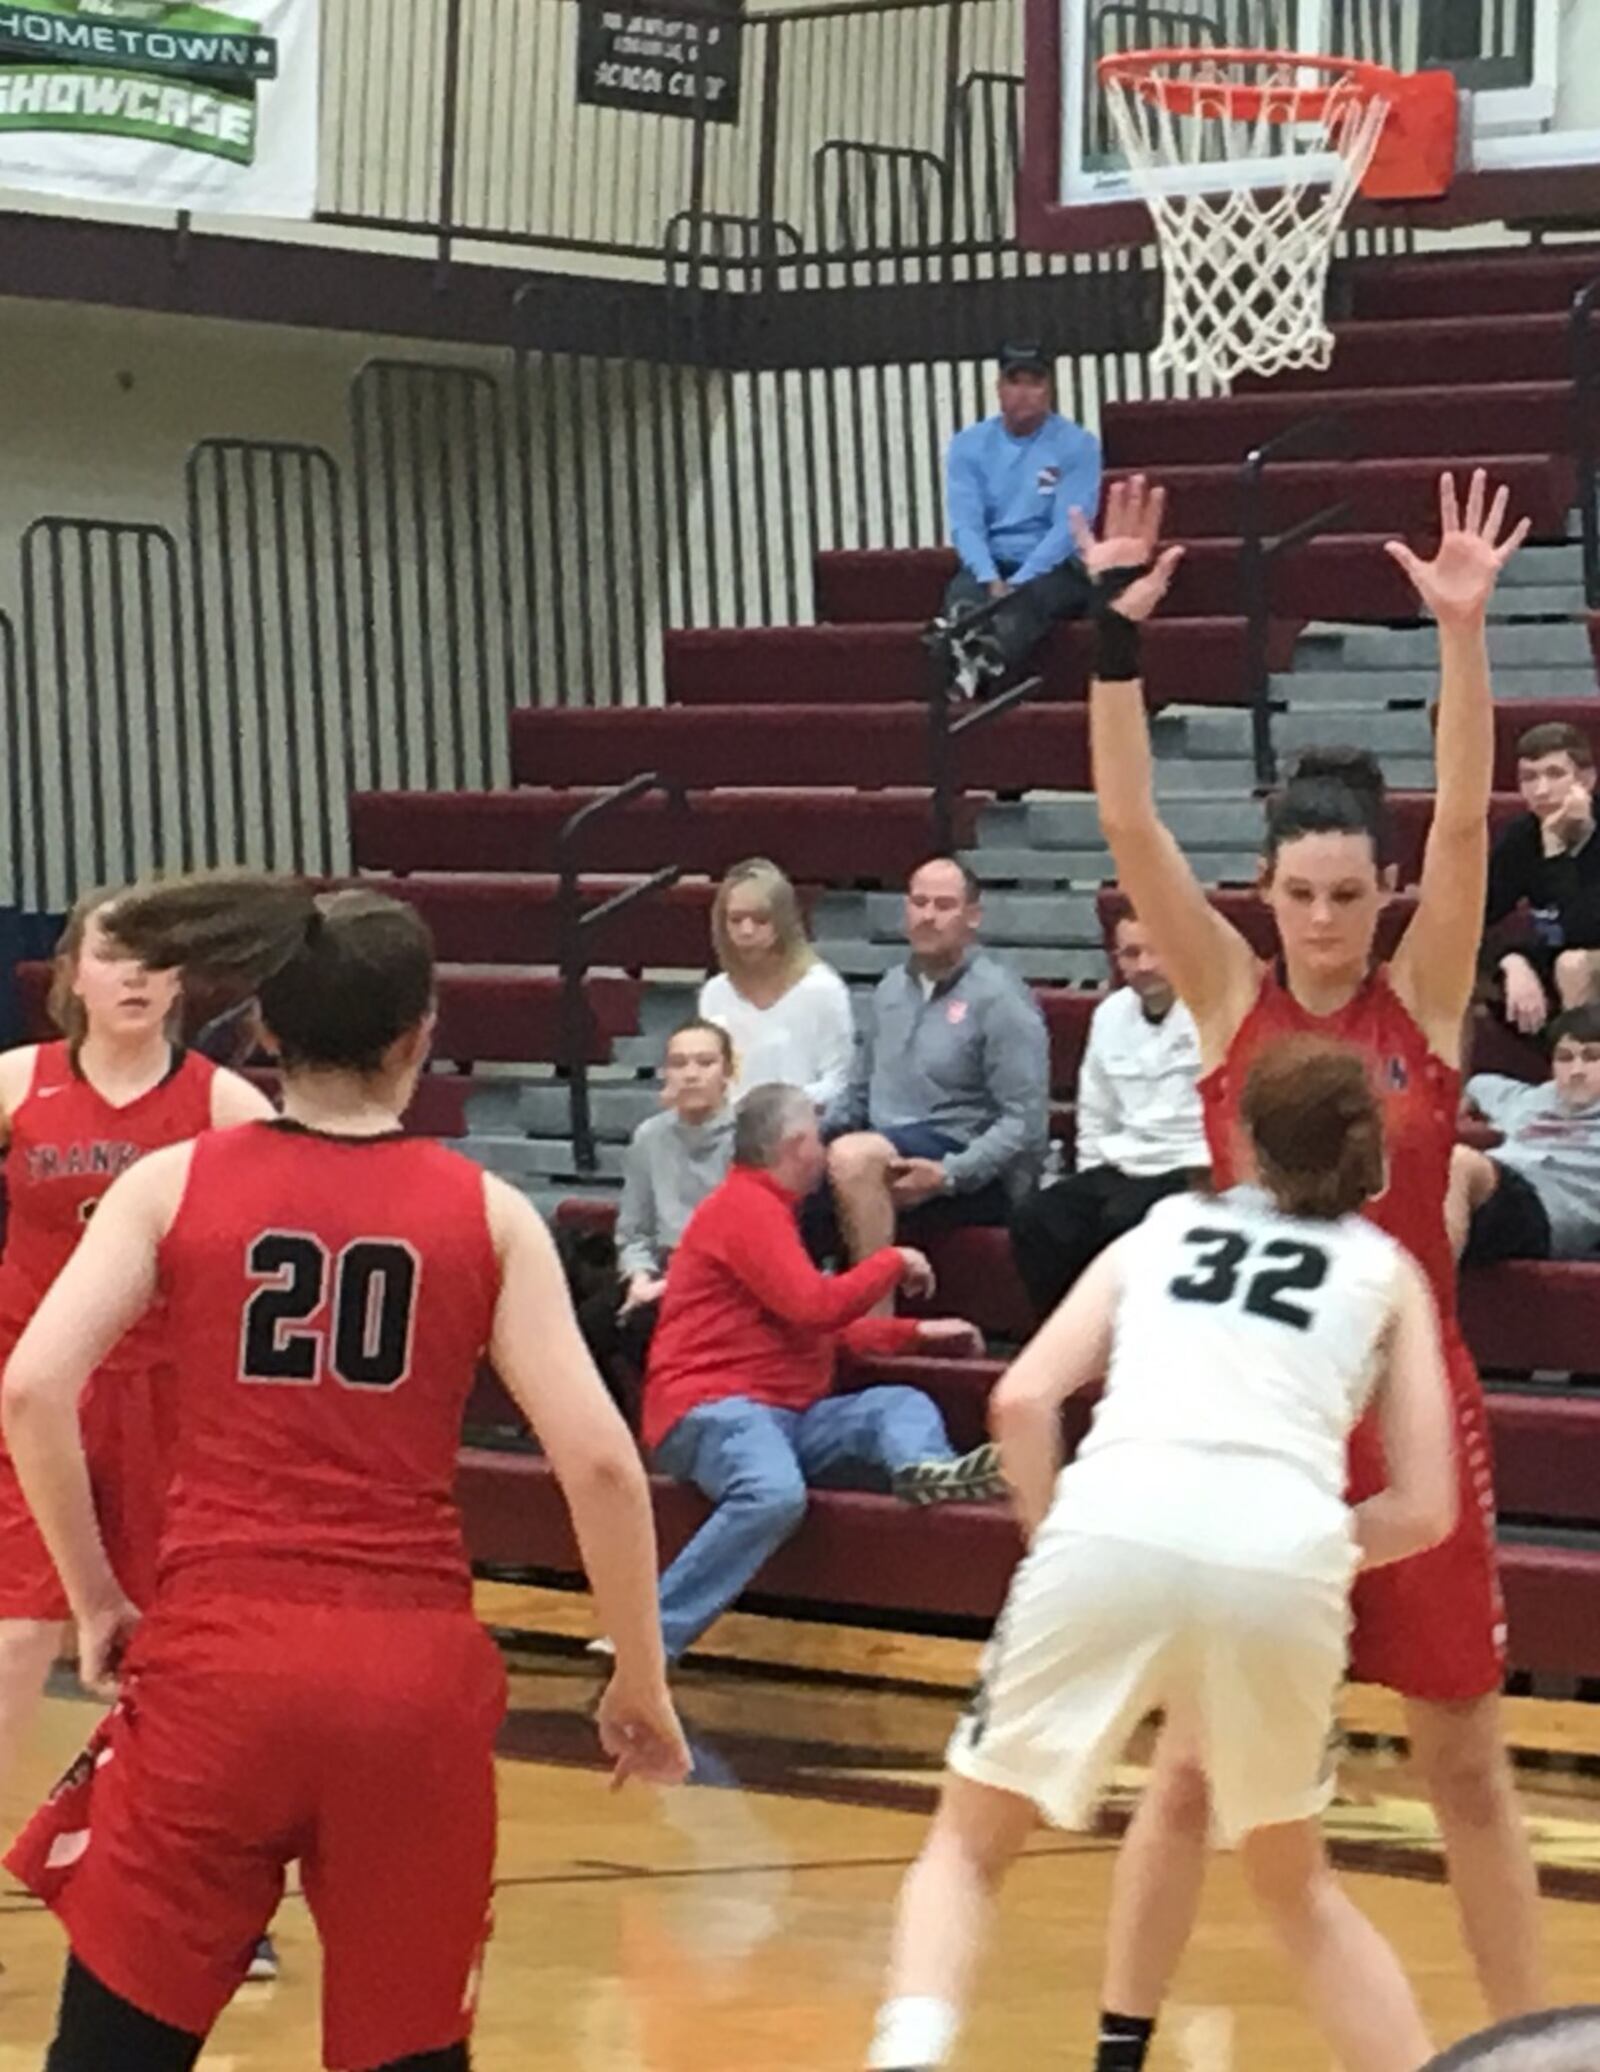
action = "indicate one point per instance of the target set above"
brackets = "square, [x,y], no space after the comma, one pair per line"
[1111,582]
[1117,648]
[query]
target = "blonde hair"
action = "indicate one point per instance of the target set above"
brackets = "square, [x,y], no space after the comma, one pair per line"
[769,884]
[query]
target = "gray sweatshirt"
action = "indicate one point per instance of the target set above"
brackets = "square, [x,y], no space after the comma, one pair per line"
[669,1169]
[1555,1149]
[972,1059]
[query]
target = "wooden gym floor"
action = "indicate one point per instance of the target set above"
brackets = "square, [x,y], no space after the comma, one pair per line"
[739,1925]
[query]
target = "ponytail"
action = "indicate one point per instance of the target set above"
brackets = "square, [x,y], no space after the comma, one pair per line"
[339,976]
[237,926]
[1316,1126]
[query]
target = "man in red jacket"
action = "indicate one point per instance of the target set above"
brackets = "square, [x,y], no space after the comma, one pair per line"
[738,1395]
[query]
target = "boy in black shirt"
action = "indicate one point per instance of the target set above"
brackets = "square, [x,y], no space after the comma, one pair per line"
[1549,860]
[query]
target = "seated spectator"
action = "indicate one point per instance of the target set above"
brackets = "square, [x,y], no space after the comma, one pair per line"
[1537,1194]
[1141,1134]
[738,1394]
[946,1116]
[1012,484]
[787,1012]
[674,1160]
[1548,860]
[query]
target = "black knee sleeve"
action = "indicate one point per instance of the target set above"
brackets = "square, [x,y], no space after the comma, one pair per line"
[99,2031]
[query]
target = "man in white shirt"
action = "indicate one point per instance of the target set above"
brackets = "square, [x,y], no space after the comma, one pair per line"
[1140,1131]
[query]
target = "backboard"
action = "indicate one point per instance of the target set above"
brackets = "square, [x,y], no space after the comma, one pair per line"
[1529,72]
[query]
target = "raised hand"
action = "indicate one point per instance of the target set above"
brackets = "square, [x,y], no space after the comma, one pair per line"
[1458,582]
[1130,538]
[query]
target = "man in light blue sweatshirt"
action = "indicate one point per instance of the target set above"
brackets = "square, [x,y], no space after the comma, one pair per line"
[1012,484]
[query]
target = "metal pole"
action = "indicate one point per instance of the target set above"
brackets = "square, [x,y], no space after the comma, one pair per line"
[449,123]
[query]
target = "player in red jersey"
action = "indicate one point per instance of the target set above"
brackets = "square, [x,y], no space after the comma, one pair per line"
[73,1115]
[1431,1628]
[310,1681]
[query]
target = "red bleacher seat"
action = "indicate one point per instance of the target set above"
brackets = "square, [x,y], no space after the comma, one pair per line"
[822,745]
[499,1014]
[1410,814]
[854,1550]
[511,918]
[870,1553]
[1067,1016]
[1546,1456]
[1347,576]
[1429,350]
[1508,282]
[823,837]
[1188,661]
[1534,1313]
[870,585]
[1445,421]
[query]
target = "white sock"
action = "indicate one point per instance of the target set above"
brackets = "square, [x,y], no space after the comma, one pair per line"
[912,2033]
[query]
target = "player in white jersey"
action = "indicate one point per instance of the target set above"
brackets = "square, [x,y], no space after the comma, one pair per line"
[1198,1553]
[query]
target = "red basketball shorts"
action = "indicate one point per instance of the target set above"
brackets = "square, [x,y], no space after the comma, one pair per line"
[1434,1626]
[130,1464]
[251,1734]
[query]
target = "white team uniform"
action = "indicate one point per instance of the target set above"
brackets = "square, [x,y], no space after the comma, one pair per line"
[1197,1554]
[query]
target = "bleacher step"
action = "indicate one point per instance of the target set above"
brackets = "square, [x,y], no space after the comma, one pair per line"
[1384,648]
[520,1160]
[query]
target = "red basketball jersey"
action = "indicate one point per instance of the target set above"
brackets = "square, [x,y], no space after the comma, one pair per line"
[67,1144]
[329,1299]
[1434,1626]
[1421,1096]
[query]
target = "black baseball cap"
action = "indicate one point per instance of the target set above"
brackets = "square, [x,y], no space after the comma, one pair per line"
[1026,356]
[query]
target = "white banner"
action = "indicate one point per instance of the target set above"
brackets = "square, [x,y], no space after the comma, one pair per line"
[162,106]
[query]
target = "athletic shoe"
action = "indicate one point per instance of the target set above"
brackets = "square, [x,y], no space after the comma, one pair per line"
[977,662]
[600,1645]
[974,1478]
[264,1962]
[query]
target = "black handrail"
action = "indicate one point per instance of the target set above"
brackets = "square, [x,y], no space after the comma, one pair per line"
[575,924]
[1586,432]
[943,730]
[1258,554]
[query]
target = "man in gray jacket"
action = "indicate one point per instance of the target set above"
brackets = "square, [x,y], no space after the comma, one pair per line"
[946,1117]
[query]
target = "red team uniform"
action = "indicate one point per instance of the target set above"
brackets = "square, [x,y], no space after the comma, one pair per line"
[1433,1626]
[311,1683]
[66,1146]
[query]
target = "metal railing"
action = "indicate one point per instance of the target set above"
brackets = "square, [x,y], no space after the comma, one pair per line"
[576,926]
[457,119]
[1586,431]
[868,139]
[1259,553]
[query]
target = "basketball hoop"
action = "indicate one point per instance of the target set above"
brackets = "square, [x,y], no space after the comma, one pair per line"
[1246,264]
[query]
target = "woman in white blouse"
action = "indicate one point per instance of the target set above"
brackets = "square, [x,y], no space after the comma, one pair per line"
[787,1012]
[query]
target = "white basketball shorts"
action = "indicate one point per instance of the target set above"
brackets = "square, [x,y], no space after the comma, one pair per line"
[1098,1631]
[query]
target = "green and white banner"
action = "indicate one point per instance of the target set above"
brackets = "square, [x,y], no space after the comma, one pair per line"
[160,105]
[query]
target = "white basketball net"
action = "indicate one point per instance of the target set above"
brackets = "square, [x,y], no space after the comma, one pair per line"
[1246,266]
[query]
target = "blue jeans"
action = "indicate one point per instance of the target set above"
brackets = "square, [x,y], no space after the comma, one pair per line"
[755,1462]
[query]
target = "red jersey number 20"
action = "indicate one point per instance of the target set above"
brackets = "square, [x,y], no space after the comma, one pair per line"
[364,1296]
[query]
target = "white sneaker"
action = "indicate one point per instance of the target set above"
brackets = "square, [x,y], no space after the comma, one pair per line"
[264,1965]
[600,1645]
